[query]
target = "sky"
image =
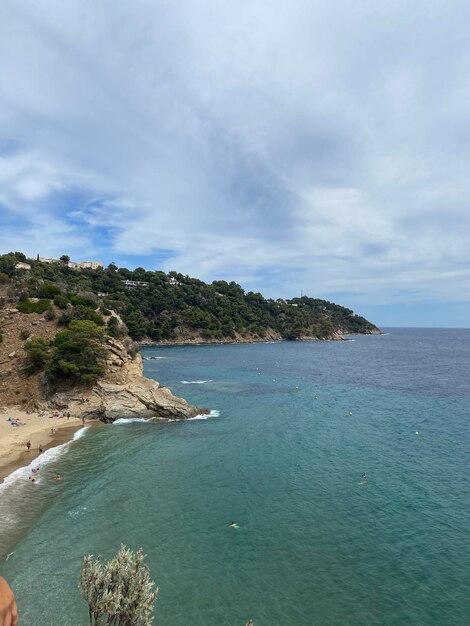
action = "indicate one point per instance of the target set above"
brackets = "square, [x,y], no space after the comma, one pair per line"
[314,146]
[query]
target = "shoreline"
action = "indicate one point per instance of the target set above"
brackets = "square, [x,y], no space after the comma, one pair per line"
[148,343]
[37,429]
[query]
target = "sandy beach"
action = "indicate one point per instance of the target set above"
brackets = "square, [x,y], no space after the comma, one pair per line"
[45,429]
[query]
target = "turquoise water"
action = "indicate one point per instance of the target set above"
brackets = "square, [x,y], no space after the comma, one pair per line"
[284,459]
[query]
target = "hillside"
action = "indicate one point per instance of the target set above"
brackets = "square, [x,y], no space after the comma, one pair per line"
[63,357]
[171,308]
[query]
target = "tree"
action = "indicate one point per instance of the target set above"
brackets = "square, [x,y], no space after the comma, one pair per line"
[65,258]
[79,352]
[37,353]
[120,593]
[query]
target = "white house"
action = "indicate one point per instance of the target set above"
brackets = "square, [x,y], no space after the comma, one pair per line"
[22,266]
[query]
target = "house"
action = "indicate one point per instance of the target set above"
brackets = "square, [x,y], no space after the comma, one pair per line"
[131,284]
[73,265]
[91,265]
[22,266]
[173,281]
[45,259]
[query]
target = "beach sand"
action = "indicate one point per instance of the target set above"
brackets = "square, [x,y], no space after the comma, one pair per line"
[37,429]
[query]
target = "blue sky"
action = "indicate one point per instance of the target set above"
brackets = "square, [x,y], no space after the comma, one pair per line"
[310,145]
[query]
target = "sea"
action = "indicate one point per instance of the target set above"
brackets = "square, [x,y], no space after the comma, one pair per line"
[345,465]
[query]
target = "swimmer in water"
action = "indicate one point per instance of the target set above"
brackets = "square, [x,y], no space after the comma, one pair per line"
[364,478]
[234,525]
[57,476]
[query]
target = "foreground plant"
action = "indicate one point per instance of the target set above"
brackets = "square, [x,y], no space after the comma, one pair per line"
[119,593]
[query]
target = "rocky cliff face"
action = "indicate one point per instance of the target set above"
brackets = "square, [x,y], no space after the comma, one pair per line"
[122,392]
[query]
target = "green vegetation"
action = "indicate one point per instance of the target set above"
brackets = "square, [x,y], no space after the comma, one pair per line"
[26,306]
[167,305]
[38,353]
[120,593]
[79,353]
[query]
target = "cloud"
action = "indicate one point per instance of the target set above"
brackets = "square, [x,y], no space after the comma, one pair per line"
[310,145]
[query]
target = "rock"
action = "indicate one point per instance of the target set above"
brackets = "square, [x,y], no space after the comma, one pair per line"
[12,310]
[12,355]
[125,393]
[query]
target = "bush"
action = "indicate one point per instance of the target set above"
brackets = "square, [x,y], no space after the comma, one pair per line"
[83,301]
[48,291]
[79,352]
[37,351]
[50,314]
[120,592]
[26,306]
[114,328]
[25,333]
[61,301]
[81,313]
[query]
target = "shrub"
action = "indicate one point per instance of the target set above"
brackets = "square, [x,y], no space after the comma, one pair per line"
[50,314]
[48,291]
[25,333]
[83,301]
[37,351]
[120,592]
[114,328]
[81,313]
[79,352]
[26,306]
[61,301]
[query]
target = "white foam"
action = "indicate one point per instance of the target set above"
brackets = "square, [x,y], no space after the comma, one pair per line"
[79,434]
[154,358]
[43,459]
[202,416]
[128,420]
[195,382]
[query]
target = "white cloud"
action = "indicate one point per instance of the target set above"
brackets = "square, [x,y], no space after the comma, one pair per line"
[314,145]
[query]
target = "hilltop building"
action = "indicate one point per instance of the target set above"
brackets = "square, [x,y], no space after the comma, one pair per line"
[74,265]
[131,284]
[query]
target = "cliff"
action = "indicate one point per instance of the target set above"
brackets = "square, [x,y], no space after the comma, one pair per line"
[122,391]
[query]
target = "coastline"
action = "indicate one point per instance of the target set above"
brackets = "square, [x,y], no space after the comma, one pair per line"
[37,429]
[200,341]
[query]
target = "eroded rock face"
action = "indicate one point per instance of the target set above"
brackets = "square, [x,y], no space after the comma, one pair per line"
[123,392]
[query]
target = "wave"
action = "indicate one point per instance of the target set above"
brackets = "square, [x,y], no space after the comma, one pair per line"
[202,416]
[195,382]
[43,459]
[154,358]
[128,420]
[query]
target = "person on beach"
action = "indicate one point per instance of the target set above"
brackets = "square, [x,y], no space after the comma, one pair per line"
[83,420]
[40,448]
[68,415]
[8,608]
[28,444]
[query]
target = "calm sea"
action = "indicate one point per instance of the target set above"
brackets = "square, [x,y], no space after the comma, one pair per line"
[295,426]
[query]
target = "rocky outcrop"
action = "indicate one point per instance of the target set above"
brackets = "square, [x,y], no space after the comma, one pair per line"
[123,392]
